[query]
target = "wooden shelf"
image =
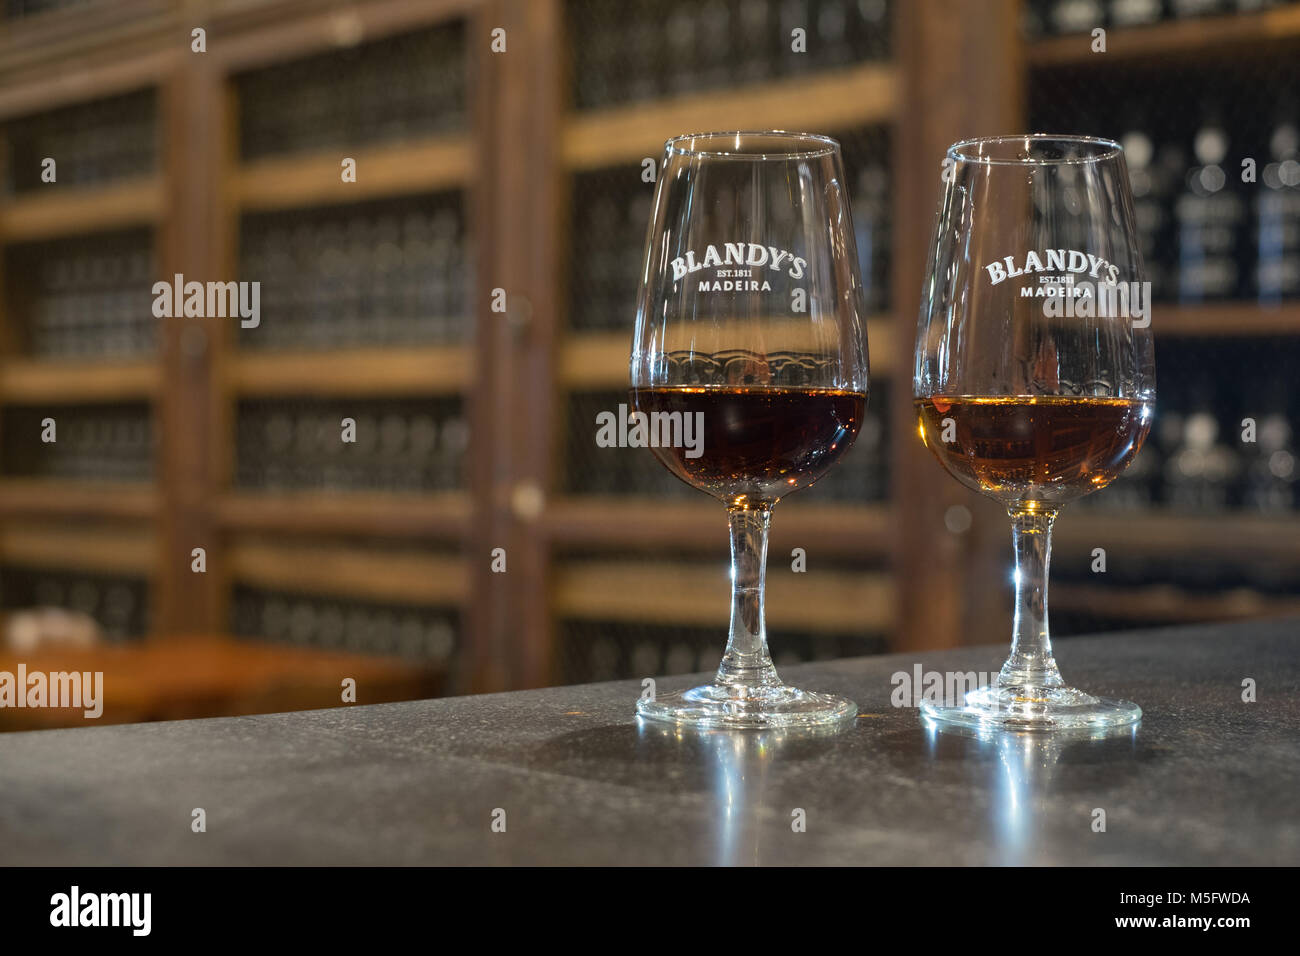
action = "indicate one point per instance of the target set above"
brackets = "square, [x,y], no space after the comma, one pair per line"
[1245,33]
[618,522]
[599,360]
[38,380]
[363,573]
[24,497]
[54,210]
[1226,535]
[313,179]
[1225,319]
[424,370]
[444,515]
[1165,603]
[831,101]
[109,549]
[693,594]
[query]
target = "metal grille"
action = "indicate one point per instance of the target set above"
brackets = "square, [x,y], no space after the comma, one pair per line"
[92,442]
[404,445]
[391,272]
[642,49]
[867,167]
[611,211]
[397,88]
[119,605]
[418,633]
[90,297]
[586,468]
[108,139]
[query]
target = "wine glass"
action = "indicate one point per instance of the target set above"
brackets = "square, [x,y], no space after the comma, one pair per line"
[749,363]
[1034,378]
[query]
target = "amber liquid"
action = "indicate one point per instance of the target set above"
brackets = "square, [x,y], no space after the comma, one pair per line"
[1039,450]
[759,444]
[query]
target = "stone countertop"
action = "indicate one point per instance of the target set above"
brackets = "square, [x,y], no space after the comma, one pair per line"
[1205,779]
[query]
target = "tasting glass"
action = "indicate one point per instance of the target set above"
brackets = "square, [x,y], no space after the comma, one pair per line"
[750,325]
[1034,378]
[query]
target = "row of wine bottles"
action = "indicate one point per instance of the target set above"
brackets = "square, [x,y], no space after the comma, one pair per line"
[644,49]
[18,9]
[1049,17]
[389,272]
[614,650]
[394,88]
[119,605]
[1216,188]
[609,224]
[106,443]
[426,634]
[385,445]
[1224,435]
[87,297]
[95,142]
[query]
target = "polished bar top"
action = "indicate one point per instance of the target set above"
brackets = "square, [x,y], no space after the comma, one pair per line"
[568,776]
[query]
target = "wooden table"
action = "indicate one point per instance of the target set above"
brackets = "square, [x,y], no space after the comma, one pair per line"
[214,677]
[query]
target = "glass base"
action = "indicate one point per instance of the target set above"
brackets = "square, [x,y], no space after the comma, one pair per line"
[738,707]
[1021,707]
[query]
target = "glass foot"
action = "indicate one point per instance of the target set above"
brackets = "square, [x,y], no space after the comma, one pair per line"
[739,707]
[1020,707]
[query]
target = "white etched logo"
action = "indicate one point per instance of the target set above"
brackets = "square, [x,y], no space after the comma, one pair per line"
[1060,262]
[738,267]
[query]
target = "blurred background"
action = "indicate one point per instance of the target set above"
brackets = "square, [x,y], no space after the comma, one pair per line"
[524,169]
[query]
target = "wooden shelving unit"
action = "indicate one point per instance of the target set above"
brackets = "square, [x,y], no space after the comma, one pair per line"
[372,574]
[1214,42]
[1229,534]
[401,549]
[863,94]
[420,370]
[81,209]
[673,593]
[61,382]
[445,516]
[433,529]
[1241,34]
[625,522]
[109,547]
[68,498]
[1164,604]
[957,70]
[1225,319]
[313,180]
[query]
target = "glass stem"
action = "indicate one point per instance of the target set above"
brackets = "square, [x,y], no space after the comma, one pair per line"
[747,662]
[1031,663]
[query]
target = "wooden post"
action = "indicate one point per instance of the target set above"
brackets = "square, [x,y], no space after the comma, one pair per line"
[514,396]
[188,242]
[961,77]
